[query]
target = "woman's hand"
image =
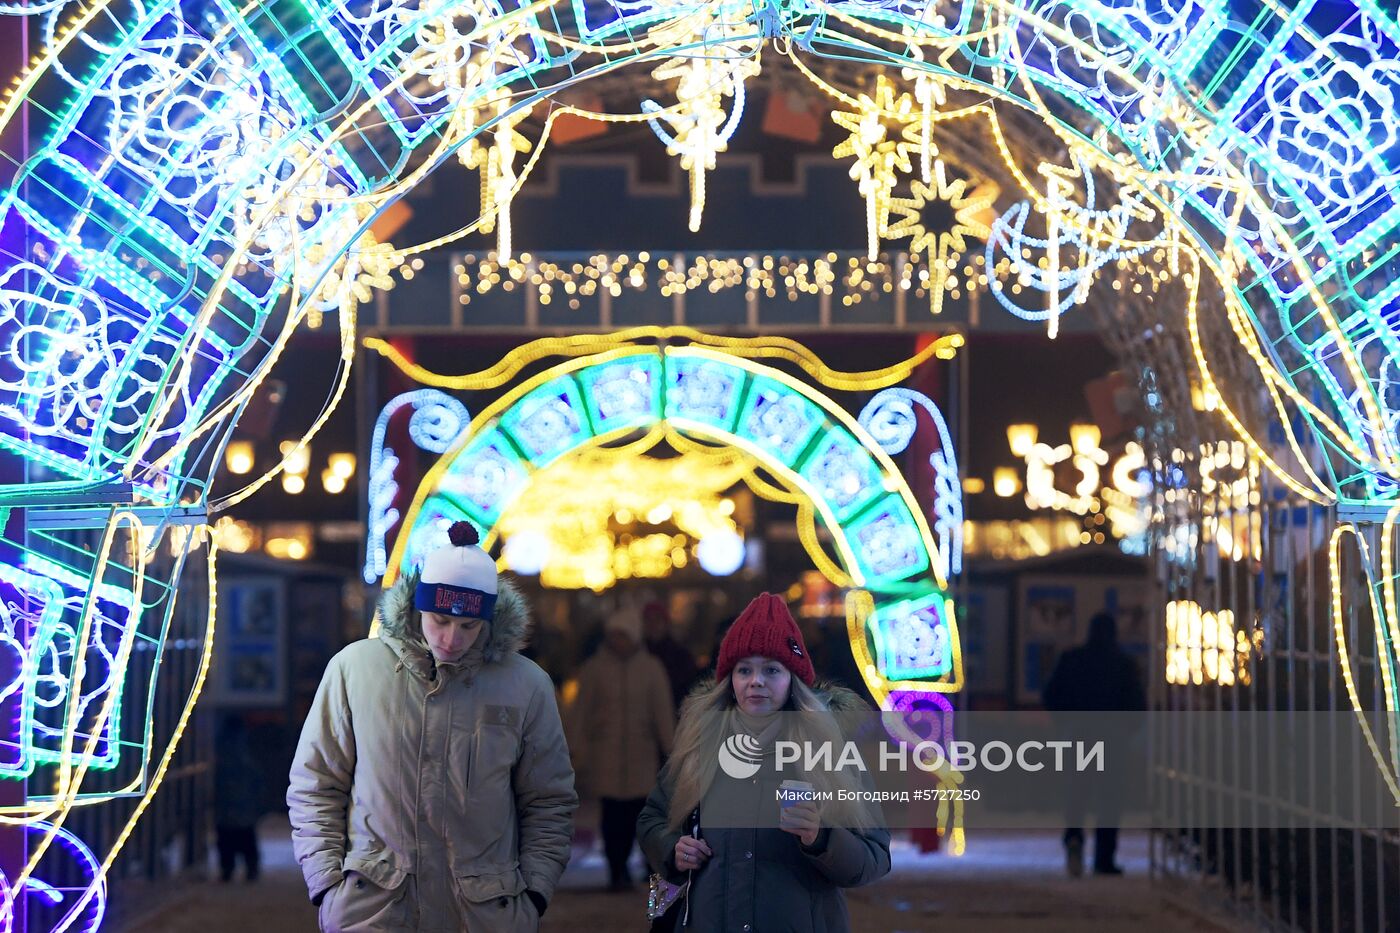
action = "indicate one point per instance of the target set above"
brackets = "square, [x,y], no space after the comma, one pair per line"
[802,820]
[691,853]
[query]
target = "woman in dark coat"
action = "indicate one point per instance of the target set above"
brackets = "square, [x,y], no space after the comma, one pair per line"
[755,871]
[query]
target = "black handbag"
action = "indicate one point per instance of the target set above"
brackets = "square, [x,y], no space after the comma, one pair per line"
[668,904]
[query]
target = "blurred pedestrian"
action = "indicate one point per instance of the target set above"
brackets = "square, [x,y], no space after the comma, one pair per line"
[238,790]
[721,630]
[756,876]
[1097,676]
[620,730]
[674,657]
[431,789]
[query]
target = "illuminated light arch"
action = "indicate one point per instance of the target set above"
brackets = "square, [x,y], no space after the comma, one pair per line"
[192,178]
[907,641]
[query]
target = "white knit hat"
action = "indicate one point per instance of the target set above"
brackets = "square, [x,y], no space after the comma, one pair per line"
[460,579]
[626,620]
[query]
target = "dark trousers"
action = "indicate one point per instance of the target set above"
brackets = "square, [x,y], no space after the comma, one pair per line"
[1094,797]
[1091,795]
[619,834]
[1105,844]
[235,841]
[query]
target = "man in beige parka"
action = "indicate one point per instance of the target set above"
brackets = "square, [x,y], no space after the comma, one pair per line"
[431,788]
[619,731]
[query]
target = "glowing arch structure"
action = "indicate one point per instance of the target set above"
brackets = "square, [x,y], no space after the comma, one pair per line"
[907,642]
[205,159]
[205,174]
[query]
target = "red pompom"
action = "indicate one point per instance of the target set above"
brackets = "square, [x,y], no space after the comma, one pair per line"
[462,534]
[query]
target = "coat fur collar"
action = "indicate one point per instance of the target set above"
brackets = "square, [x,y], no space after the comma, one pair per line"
[506,633]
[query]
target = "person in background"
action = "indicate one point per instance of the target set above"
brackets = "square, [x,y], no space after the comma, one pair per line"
[431,789]
[674,657]
[721,630]
[788,876]
[238,790]
[1097,676]
[620,729]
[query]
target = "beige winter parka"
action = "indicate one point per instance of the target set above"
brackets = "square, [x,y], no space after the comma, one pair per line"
[620,724]
[428,796]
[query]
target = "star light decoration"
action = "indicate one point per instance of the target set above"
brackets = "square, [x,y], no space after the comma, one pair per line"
[880,147]
[972,214]
[885,128]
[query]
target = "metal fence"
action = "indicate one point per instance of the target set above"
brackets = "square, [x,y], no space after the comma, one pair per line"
[1245,625]
[171,835]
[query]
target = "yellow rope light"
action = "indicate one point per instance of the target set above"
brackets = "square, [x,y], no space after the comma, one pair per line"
[305,441]
[758,347]
[1321,496]
[1344,657]
[205,657]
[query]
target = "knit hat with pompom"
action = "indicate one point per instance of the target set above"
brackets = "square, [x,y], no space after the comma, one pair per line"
[766,628]
[460,579]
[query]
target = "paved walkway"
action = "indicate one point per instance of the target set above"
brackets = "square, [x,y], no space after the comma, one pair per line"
[1006,883]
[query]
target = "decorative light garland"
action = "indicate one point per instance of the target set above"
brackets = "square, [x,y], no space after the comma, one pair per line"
[855,279]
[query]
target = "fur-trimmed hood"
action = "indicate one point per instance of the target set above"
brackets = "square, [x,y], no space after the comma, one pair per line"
[484,744]
[506,633]
[837,698]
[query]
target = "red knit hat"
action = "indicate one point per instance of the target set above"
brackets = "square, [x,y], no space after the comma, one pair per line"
[766,628]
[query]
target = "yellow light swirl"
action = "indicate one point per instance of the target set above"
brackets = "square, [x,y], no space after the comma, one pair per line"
[1388,773]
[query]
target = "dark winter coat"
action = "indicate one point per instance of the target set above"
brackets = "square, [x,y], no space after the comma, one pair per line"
[679,664]
[428,796]
[238,783]
[763,880]
[1095,677]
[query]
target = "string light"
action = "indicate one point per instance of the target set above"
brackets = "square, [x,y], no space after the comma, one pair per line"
[592,541]
[1205,646]
[794,278]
